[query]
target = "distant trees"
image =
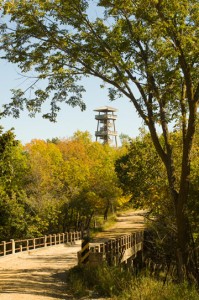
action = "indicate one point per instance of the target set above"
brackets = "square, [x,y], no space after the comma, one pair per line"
[48,186]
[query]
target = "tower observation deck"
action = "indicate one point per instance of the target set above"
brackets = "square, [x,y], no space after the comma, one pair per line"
[106,125]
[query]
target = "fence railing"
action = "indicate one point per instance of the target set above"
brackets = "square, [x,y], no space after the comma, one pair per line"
[118,250]
[15,246]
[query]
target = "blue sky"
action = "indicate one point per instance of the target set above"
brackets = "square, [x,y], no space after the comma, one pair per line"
[69,119]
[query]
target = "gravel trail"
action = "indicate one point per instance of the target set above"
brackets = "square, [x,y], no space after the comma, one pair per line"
[37,275]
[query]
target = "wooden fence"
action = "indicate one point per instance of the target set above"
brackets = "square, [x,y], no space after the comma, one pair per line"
[13,246]
[118,250]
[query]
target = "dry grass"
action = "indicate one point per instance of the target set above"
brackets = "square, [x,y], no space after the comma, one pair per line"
[119,284]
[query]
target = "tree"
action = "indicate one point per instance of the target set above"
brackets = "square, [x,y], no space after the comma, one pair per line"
[89,178]
[13,204]
[193,204]
[103,178]
[150,56]
[45,161]
[44,184]
[142,175]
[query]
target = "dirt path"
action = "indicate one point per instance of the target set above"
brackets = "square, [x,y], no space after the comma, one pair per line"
[37,275]
[126,223]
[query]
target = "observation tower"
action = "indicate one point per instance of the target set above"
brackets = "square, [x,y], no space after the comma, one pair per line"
[106,125]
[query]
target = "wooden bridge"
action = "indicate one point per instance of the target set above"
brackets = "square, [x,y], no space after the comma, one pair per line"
[116,251]
[34,269]
[121,243]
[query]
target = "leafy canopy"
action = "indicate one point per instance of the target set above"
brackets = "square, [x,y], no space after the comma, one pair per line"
[142,54]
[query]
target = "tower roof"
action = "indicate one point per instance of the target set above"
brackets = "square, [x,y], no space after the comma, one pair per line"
[105,108]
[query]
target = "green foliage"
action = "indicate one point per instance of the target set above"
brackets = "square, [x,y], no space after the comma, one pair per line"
[11,159]
[193,206]
[12,214]
[124,46]
[119,283]
[143,178]
[142,175]
[13,166]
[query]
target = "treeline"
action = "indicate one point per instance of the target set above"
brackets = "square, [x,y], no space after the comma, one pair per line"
[57,185]
[54,186]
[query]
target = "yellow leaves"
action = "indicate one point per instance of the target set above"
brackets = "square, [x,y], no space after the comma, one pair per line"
[123,200]
[45,160]
[9,6]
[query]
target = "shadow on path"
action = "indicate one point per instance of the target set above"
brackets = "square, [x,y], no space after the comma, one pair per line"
[41,274]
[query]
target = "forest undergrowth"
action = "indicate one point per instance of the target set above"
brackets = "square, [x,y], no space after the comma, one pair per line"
[118,283]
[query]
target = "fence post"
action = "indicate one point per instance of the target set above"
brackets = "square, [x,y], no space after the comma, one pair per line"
[33,243]
[50,239]
[4,248]
[59,239]
[45,240]
[131,240]
[102,248]
[13,246]
[66,237]
[117,250]
[55,237]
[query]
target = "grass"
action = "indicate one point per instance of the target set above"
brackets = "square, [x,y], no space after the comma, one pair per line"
[119,284]
[146,288]
[103,225]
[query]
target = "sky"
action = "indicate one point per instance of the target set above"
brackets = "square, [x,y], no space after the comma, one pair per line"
[69,119]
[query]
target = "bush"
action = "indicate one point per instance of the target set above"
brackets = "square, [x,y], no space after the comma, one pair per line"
[106,281]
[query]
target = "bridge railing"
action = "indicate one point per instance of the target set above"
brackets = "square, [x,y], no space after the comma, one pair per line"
[15,246]
[115,251]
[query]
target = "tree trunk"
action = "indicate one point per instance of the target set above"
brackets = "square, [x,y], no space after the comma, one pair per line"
[106,213]
[187,265]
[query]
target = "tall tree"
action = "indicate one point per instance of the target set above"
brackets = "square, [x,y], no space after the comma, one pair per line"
[148,55]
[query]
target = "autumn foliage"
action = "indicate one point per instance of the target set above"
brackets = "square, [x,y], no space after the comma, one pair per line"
[54,186]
